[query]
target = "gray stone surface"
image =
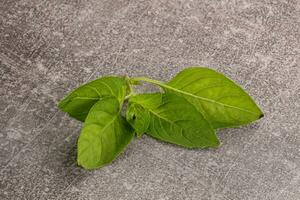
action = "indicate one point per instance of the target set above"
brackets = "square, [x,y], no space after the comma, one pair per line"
[47,48]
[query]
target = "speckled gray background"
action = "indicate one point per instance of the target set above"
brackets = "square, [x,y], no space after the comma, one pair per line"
[47,48]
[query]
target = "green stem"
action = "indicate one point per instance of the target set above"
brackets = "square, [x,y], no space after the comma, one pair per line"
[145,79]
[138,79]
[128,96]
[131,91]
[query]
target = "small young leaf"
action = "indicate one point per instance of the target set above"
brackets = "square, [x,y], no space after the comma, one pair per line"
[104,136]
[173,119]
[138,118]
[219,99]
[78,103]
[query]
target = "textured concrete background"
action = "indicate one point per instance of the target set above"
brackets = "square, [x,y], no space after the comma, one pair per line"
[47,48]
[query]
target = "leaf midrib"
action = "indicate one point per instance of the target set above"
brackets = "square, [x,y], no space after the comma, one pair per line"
[189,94]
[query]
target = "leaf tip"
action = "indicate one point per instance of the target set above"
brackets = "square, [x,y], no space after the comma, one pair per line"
[62,103]
[217,144]
[261,116]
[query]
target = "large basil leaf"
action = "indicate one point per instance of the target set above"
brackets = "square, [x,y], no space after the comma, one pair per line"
[78,103]
[173,119]
[219,99]
[104,136]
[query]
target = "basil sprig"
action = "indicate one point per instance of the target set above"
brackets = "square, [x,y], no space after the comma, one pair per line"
[188,111]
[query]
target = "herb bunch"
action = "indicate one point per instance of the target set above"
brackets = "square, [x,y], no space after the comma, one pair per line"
[187,112]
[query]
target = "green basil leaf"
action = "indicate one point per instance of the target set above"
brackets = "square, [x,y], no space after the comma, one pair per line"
[78,103]
[219,99]
[225,103]
[173,119]
[138,118]
[104,136]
